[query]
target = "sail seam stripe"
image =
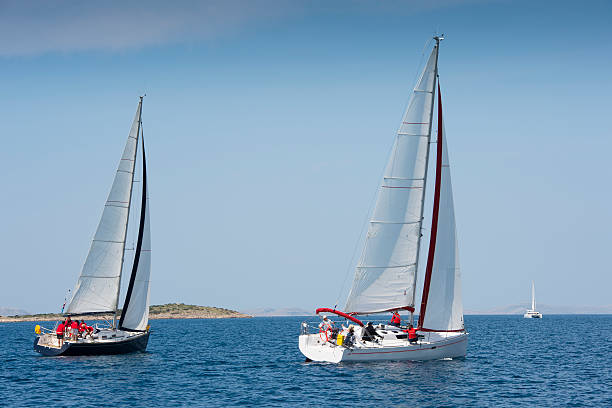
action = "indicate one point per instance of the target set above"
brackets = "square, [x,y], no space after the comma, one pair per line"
[387,266]
[391,222]
[415,123]
[105,240]
[411,134]
[401,187]
[402,178]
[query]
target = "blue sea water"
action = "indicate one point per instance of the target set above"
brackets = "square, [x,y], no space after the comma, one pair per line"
[511,361]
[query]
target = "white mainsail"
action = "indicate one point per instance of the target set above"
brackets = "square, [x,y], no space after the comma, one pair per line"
[98,286]
[533,303]
[444,303]
[135,315]
[385,275]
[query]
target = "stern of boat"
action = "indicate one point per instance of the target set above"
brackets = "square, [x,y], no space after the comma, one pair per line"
[315,349]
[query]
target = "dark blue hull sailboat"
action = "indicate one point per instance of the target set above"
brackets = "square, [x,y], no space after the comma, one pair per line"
[98,288]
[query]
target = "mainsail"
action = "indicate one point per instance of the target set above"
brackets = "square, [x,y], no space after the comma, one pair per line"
[135,314]
[97,289]
[385,275]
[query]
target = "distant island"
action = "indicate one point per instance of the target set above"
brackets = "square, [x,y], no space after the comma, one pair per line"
[167,311]
[277,312]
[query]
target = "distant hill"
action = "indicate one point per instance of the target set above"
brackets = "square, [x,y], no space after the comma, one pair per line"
[543,308]
[9,311]
[167,311]
[284,311]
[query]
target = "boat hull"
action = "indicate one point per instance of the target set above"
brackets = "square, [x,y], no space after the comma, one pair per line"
[130,345]
[316,350]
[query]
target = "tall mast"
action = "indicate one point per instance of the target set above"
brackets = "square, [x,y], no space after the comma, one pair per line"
[436,206]
[128,215]
[433,95]
[533,296]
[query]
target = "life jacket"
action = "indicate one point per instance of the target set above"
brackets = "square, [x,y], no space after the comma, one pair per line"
[60,329]
[412,334]
[396,318]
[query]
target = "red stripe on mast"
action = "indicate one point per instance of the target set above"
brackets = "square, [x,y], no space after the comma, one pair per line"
[434,217]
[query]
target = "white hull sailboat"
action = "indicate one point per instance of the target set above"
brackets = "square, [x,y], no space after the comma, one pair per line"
[385,276]
[532,313]
[98,288]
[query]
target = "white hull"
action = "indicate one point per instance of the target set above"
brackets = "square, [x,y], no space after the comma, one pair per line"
[532,314]
[453,346]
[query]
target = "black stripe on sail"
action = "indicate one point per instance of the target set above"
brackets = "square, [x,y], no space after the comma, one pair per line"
[139,242]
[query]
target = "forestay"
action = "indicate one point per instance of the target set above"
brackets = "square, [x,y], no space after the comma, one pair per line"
[97,287]
[386,272]
[444,304]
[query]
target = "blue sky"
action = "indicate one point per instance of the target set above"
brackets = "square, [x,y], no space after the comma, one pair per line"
[268,124]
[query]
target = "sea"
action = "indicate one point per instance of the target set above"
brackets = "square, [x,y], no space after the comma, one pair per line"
[560,360]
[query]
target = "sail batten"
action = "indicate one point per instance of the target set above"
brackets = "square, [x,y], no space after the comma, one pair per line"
[97,288]
[393,236]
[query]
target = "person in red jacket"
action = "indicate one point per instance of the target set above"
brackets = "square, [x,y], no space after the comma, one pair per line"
[396,320]
[413,337]
[74,329]
[59,331]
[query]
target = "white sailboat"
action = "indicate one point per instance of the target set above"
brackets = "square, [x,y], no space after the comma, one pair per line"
[97,291]
[385,276]
[532,313]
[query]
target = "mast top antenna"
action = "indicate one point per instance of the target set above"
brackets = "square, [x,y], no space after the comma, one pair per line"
[438,38]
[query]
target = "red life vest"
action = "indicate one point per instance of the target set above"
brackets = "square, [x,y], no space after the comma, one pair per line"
[412,333]
[60,329]
[396,318]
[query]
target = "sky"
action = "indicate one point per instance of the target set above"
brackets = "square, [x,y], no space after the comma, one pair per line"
[268,124]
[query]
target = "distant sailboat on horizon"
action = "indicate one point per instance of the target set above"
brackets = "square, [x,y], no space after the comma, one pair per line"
[532,313]
[97,291]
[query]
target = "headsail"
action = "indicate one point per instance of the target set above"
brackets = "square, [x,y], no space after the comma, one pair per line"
[98,286]
[442,307]
[385,275]
[135,314]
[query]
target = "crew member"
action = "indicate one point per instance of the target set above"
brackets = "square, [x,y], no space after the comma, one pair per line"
[412,334]
[396,320]
[369,333]
[326,324]
[59,331]
[349,339]
[74,329]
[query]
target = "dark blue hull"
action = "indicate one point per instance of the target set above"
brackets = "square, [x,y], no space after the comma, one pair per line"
[137,343]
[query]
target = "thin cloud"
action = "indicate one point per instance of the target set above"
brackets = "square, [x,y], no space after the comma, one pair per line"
[36,27]
[41,26]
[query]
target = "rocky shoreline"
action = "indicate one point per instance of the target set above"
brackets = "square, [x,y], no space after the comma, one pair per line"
[167,311]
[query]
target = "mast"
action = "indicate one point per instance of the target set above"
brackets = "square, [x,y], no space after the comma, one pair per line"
[434,217]
[433,95]
[141,227]
[533,307]
[128,215]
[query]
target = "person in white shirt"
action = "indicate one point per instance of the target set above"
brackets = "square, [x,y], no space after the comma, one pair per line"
[326,324]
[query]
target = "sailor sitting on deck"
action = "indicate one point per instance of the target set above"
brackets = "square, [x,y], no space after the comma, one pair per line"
[349,339]
[396,320]
[369,333]
[84,329]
